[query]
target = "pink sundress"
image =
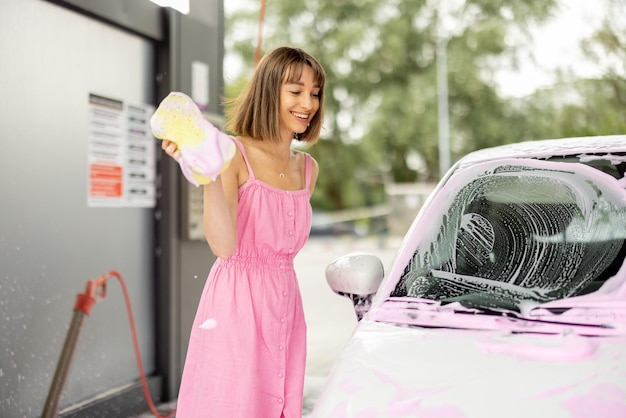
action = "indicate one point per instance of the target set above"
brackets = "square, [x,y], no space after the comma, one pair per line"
[247,348]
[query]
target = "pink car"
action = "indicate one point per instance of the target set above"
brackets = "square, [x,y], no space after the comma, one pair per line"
[507,297]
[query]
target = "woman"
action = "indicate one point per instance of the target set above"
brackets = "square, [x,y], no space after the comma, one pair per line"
[247,348]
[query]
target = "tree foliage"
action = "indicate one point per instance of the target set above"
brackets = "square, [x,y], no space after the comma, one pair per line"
[380,58]
[601,108]
[587,107]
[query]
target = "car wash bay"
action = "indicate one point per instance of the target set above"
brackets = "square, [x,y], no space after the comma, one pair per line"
[68,66]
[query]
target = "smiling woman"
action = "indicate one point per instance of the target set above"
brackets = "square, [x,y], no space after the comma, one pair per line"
[246,355]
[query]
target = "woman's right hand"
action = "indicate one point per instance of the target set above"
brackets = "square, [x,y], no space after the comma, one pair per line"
[171,149]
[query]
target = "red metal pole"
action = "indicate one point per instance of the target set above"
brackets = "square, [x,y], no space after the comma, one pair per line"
[82,308]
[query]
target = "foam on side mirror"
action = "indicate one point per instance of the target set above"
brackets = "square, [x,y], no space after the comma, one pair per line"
[356,276]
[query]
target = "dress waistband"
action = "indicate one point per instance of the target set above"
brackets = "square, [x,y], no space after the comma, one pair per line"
[281,262]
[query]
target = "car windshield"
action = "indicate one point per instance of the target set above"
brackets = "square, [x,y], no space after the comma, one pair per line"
[504,233]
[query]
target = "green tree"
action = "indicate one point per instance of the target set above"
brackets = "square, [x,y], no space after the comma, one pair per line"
[381,100]
[588,107]
[600,110]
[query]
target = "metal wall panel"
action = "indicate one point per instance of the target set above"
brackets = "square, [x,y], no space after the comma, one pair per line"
[140,16]
[185,263]
[51,242]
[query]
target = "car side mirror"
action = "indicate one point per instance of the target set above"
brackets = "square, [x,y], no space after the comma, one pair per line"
[356,276]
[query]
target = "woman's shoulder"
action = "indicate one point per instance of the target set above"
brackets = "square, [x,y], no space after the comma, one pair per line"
[304,154]
[237,166]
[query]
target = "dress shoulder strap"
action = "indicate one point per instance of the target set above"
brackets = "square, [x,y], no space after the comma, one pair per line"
[242,148]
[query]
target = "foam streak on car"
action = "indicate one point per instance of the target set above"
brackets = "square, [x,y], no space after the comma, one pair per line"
[507,296]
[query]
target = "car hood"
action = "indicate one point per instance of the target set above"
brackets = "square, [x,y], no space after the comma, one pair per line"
[392,371]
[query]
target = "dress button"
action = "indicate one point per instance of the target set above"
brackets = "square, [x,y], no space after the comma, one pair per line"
[290,232]
[285,293]
[281,347]
[290,213]
[280,400]
[282,320]
[280,375]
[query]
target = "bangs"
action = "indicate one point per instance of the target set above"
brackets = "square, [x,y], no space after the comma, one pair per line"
[293,73]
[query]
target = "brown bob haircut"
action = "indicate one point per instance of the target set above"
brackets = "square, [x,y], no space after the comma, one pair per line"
[255,112]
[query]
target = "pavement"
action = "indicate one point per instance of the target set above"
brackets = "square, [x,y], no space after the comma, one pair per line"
[330,318]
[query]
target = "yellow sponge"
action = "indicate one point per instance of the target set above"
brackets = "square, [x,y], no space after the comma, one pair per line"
[205,150]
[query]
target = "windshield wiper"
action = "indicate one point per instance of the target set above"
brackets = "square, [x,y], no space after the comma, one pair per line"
[433,314]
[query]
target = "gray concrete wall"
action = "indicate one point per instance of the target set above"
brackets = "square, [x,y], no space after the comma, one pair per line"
[51,242]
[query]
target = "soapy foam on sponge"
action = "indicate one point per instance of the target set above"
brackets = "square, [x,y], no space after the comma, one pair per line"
[205,150]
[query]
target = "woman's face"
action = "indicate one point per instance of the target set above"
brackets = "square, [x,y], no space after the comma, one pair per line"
[299,102]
